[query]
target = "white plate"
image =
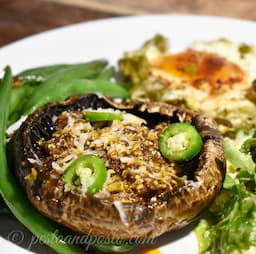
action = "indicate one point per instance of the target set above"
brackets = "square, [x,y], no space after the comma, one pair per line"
[109,39]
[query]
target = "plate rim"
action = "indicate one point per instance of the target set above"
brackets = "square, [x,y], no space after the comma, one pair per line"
[127,18]
[109,21]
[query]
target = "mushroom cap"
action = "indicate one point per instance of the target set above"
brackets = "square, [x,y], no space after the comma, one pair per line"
[100,216]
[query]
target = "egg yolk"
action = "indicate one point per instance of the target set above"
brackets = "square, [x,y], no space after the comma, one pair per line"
[150,251]
[197,67]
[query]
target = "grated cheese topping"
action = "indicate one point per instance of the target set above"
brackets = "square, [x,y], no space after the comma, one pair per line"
[136,169]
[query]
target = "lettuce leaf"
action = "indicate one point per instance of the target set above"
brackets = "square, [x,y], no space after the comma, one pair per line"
[231,226]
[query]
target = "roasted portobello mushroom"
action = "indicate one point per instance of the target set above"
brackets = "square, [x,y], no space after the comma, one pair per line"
[139,192]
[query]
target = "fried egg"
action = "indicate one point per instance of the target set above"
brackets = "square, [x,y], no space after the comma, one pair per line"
[211,77]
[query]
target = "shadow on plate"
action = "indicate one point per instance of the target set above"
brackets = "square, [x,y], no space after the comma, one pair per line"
[15,232]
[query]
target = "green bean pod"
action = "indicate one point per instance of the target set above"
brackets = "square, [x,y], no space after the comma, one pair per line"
[114,248]
[12,194]
[58,74]
[5,95]
[85,70]
[65,89]
[18,96]
[107,74]
[41,73]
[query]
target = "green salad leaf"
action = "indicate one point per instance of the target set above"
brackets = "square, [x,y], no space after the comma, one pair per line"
[231,226]
[249,146]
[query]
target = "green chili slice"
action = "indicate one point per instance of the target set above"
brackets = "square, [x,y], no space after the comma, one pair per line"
[98,116]
[180,142]
[87,172]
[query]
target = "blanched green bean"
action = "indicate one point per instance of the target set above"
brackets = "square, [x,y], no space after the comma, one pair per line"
[73,87]
[41,73]
[107,74]
[5,95]
[14,197]
[58,86]
[17,97]
[85,70]
[58,74]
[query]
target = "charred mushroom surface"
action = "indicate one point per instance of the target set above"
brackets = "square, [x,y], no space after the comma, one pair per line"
[144,195]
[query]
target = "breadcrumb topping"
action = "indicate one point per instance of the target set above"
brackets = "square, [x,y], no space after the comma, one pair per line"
[136,169]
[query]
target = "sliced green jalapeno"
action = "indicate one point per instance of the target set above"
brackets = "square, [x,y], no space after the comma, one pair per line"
[180,142]
[87,172]
[97,116]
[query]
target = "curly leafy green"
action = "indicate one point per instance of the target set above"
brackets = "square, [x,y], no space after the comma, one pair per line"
[238,159]
[249,147]
[231,227]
